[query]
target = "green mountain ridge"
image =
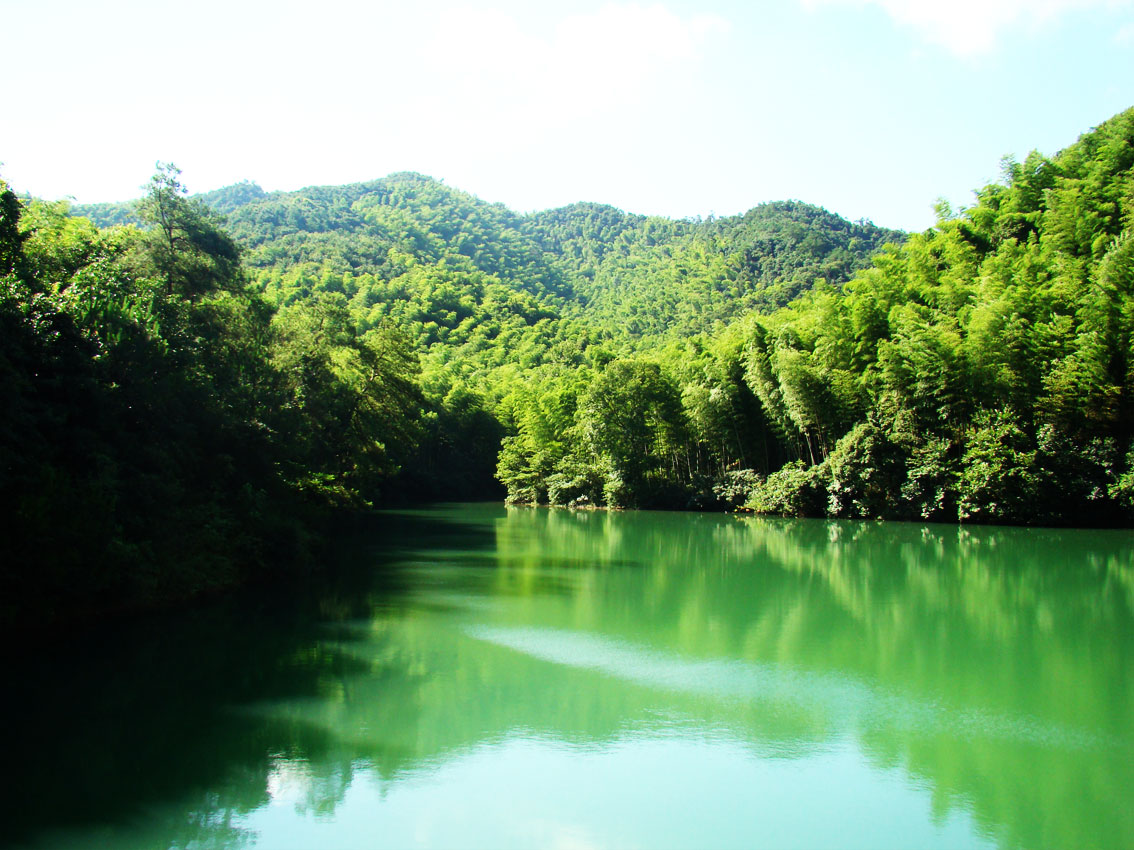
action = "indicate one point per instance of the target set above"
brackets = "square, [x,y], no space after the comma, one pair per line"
[583,258]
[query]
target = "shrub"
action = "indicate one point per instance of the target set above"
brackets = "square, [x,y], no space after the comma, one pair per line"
[793,490]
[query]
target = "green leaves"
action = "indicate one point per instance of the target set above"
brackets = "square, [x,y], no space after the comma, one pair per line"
[187,247]
[991,356]
[352,409]
[982,370]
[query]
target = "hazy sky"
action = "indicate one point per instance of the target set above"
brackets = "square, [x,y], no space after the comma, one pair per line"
[871,108]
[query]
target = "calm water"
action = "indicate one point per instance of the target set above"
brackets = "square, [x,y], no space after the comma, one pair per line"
[494,677]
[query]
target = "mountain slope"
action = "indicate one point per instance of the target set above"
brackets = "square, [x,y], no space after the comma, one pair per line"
[628,275]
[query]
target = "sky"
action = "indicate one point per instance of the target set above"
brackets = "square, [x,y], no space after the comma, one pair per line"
[871,108]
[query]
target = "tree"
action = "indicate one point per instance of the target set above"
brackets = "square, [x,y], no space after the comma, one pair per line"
[189,250]
[11,237]
[999,481]
[352,408]
[632,417]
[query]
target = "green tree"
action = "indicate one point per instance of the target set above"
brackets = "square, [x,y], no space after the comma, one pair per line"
[632,417]
[187,247]
[999,480]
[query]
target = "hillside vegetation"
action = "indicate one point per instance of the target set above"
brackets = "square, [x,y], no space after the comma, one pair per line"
[981,371]
[192,392]
[494,303]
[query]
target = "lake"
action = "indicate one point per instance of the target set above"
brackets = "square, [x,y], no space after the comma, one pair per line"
[483,676]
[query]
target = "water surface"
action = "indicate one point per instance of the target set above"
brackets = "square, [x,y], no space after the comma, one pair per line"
[494,677]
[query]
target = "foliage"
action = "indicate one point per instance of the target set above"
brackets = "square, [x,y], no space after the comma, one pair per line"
[983,371]
[795,489]
[162,434]
[174,384]
[863,471]
[493,302]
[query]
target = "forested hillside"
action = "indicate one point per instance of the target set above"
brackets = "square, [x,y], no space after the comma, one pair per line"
[982,371]
[191,392]
[635,276]
[494,302]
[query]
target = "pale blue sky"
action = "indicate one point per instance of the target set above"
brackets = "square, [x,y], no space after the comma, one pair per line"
[871,108]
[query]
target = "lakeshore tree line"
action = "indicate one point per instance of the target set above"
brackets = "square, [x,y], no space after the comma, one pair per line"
[194,386]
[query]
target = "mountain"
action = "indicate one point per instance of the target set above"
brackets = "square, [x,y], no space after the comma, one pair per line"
[630,275]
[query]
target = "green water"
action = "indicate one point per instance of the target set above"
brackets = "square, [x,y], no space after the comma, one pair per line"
[492,677]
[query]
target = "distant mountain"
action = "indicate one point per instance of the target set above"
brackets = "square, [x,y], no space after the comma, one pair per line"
[641,276]
[654,276]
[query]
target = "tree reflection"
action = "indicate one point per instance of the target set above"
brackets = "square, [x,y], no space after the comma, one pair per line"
[990,663]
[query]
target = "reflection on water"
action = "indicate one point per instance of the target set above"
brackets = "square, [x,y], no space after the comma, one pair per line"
[849,704]
[517,677]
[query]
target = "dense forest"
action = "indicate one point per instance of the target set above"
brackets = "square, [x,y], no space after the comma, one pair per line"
[982,371]
[493,303]
[195,386]
[165,430]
